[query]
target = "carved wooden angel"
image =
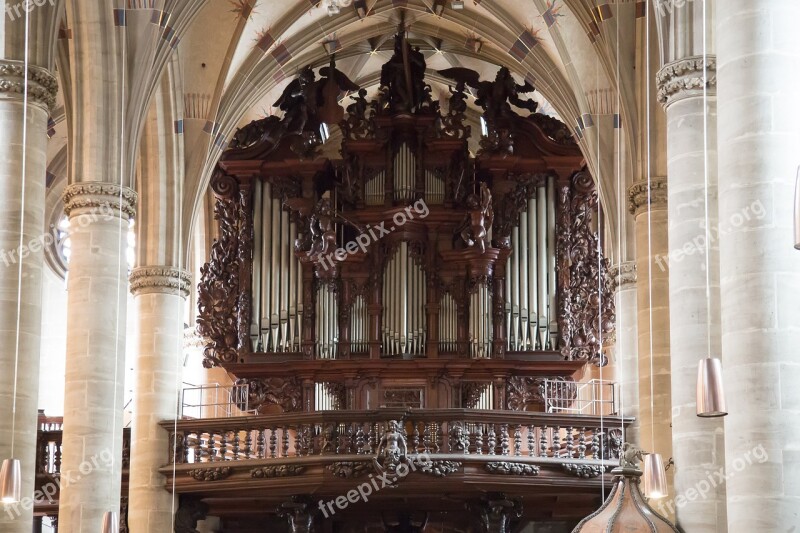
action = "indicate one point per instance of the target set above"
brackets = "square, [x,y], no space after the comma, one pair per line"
[631,455]
[478,220]
[495,97]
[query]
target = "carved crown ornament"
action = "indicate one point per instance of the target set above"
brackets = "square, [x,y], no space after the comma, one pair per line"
[165,280]
[685,78]
[100,200]
[638,195]
[42,85]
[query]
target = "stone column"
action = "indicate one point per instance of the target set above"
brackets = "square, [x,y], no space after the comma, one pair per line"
[655,407]
[698,443]
[758,73]
[159,297]
[21,263]
[626,348]
[96,322]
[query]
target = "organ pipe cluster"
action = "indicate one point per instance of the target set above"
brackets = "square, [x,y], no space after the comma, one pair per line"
[531,276]
[359,326]
[405,174]
[277,276]
[404,294]
[448,323]
[480,322]
[327,322]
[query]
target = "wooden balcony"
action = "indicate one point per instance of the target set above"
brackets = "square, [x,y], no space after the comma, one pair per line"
[49,450]
[433,461]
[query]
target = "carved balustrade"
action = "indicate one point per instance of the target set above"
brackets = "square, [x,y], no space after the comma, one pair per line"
[298,439]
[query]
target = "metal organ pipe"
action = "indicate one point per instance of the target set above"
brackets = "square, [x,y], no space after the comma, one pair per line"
[542,208]
[404,294]
[327,327]
[530,278]
[359,318]
[277,275]
[551,240]
[374,190]
[434,189]
[480,322]
[404,174]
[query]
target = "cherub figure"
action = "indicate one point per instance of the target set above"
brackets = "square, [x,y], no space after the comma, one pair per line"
[478,220]
[392,449]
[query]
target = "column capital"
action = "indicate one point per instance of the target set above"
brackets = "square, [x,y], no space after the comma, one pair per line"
[638,194]
[42,85]
[98,198]
[623,276]
[160,279]
[684,79]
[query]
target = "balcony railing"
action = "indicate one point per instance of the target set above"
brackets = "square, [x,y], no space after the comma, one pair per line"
[439,433]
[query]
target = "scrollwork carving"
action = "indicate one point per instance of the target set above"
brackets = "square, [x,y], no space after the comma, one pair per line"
[586,305]
[222,305]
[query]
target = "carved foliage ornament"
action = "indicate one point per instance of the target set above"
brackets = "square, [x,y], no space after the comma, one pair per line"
[42,86]
[349,469]
[102,201]
[166,280]
[686,77]
[223,308]
[210,474]
[268,472]
[510,468]
[586,307]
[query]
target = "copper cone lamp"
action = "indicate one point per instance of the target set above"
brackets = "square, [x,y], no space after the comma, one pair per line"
[655,477]
[11,481]
[110,522]
[710,393]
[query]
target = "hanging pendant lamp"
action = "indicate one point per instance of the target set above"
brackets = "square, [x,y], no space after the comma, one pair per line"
[11,481]
[710,392]
[655,477]
[110,522]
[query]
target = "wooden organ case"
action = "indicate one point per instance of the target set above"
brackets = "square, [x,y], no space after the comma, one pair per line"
[407,272]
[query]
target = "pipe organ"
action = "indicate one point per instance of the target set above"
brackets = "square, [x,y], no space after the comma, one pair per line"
[407,250]
[404,297]
[412,290]
[277,278]
[531,287]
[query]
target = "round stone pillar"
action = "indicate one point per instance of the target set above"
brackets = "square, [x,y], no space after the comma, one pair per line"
[21,263]
[159,297]
[758,101]
[626,347]
[698,444]
[96,311]
[655,405]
